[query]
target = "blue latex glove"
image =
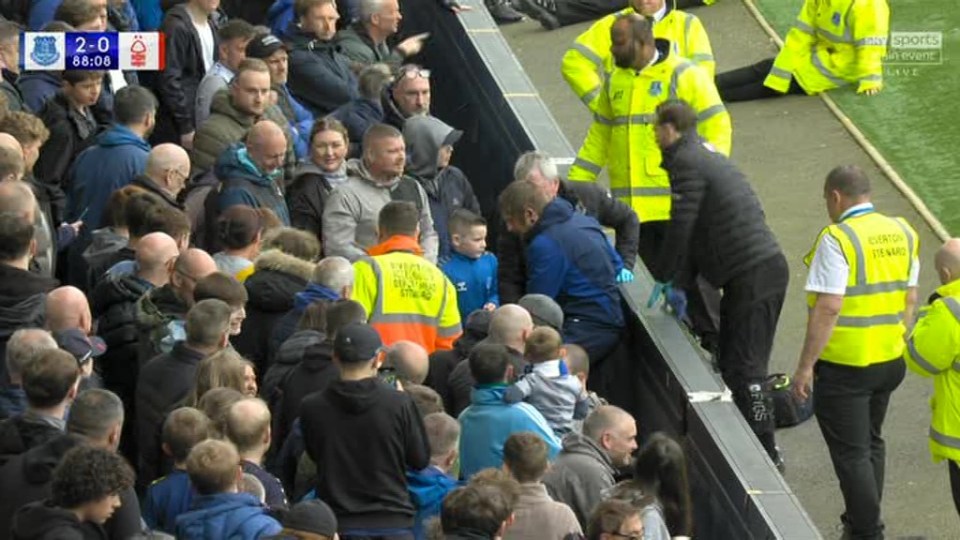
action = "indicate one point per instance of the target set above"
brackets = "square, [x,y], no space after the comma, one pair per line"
[625,276]
[659,291]
[677,300]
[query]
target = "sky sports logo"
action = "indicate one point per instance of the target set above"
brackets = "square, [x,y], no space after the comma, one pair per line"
[915,49]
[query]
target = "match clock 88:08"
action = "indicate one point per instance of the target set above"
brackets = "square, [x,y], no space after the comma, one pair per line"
[92,50]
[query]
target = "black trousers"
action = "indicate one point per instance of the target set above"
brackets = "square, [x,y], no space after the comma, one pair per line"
[577,11]
[850,405]
[703,299]
[955,483]
[746,83]
[749,312]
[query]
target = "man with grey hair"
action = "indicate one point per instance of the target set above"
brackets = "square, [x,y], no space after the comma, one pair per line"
[510,325]
[587,198]
[332,280]
[24,344]
[96,417]
[588,462]
[207,331]
[166,174]
[365,42]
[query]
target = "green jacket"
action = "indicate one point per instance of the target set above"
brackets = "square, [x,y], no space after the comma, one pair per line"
[227,125]
[355,44]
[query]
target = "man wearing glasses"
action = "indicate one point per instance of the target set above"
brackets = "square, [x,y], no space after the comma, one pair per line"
[408,96]
[167,172]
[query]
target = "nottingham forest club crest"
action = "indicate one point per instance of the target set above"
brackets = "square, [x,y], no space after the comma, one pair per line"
[45,51]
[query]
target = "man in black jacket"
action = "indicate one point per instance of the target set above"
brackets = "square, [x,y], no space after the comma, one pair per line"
[208,330]
[588,198]
[364,434]
[320,75]
[718,230]
[189,54]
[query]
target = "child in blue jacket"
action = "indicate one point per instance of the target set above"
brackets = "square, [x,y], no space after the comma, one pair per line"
[471,268]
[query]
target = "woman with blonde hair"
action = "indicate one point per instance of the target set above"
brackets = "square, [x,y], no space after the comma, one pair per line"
[222,369]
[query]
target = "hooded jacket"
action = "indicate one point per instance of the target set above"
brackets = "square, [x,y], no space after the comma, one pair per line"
[361,470]
[277,277]
[43,521]
[22,433]
[537,516]
[287,325]
[37,87]
[358,46]
[357,116]
[166,499]
[280,17]
[117,157]
[487,424]
[236,516]
[70,133]
[160,317]
[177,369]
[114,306]
[103,248]
[427,490]
[351,213]
[587,198]
[313,374]
[290,355]
[447,189]
[176,86]
[22,296]
[308,193]
[243,183]
[320,74]
[228,126]
[570,260]
[580,475]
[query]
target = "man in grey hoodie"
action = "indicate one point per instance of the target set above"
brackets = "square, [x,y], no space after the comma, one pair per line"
[350,213]
[586,465]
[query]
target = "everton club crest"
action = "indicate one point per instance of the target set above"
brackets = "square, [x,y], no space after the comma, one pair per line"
[45,51]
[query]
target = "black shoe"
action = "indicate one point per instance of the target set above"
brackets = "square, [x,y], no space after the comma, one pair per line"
[544,11]
[503,13]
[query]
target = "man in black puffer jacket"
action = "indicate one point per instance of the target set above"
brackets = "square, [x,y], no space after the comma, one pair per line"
[587,198]
[718,231]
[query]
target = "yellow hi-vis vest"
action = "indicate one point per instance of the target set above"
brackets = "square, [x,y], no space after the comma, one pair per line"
[880,251]
[622,136]
[834,43]
[588,62]
[933,350]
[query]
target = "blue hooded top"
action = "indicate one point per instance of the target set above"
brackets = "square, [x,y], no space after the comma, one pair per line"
[238,516]
[245,184]
[279,18]
[427,489]
[119,156]
[570,259]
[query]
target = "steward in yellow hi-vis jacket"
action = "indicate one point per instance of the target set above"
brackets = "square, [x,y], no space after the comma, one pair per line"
[622,135]
[588,62]
[933,350]
[832,43]
[862,287]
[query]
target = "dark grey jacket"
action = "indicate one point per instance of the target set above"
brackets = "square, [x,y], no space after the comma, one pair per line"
[580,476]
[717,226]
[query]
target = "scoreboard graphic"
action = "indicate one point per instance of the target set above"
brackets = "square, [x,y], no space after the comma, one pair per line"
[58,51]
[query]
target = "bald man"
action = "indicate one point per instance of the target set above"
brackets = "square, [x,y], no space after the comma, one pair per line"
[155,255]
[932,349]
[18,197]
[510,325]
[12,165]
[410,361]
[166,174]
[250,172]
[67,308]
[162,311]
[248,428]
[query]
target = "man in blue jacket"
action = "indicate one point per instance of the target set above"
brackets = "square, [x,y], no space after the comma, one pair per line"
[219,511]
[569,259]
[320,76]
[250,173]
[489,421]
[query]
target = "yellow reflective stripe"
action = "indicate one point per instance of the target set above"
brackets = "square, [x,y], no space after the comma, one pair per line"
[779,72]
[602,120]
[403,318]
[675,76]
[874,288]
[591,95]
[378,276]
[860,286]
[919,359]
[449,331]
[818,63]
[872,78]
[701,57]
[803,27]
[588,53]
[850,321]
[830,36]
[633,119]
[910,239]
[945,440]
[953,305]
[687,25]
[640,191]
[584,164]
[861,278]
[710,112]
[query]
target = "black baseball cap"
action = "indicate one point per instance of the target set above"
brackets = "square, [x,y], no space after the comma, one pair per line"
[79,344]
[263,46]
[357,342]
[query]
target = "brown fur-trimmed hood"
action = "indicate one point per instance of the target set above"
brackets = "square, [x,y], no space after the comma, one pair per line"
[274,259]
[276,280]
